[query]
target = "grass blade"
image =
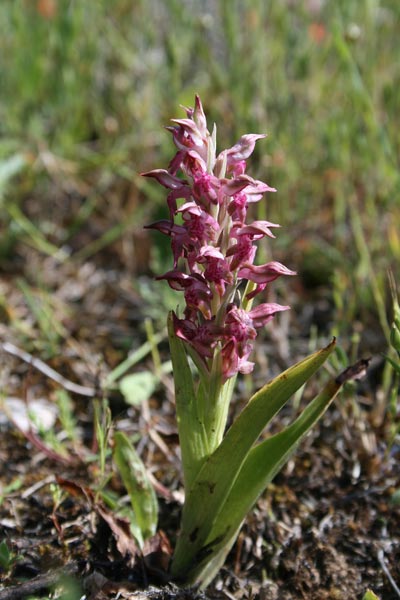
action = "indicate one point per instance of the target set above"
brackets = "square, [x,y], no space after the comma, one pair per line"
[139,488]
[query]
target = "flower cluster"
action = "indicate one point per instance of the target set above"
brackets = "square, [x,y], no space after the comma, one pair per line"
[213,246]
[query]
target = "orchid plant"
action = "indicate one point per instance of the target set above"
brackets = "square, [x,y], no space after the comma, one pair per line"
[211,339]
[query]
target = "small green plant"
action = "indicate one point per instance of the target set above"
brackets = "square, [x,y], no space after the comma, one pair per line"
[7,557]
[394,361]
[144,514]
[214,248]
[395,328]
[369,595]
[8,489]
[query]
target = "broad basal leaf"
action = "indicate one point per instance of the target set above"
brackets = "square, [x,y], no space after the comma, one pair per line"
[211,487]
[192,436]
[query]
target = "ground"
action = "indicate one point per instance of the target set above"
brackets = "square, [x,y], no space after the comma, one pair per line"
[327,528]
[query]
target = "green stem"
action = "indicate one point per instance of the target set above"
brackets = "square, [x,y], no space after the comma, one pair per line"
[214,400]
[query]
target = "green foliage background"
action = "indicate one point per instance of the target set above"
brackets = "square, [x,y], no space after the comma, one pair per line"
[87,86]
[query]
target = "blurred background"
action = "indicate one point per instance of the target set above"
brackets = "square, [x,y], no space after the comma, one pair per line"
[85,91]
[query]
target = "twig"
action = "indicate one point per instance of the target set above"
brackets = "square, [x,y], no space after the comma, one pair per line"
[381,559]
[37,486]
[48,371]
[176,495]
[42,582]
[38,443]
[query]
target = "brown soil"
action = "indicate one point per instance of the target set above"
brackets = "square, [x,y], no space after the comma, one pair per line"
[328,527]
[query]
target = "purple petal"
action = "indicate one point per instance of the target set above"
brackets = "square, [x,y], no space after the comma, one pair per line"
[257,228]
[199,116]
[176,279]
[211,252]
[166,227]
[190,207]
[243,148]
[166,179]
[263,313]
[264,273]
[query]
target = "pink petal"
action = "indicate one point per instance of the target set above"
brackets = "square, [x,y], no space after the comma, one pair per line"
[257,228]
[264,273]
[232,186]
[190,207]
[166,227]
[190,127]
[244,147]
[256,187]
[263,313]
[211,252]
[199,116]
[253,188]
[176,162]
[177,280]
[166,179]
[195,162]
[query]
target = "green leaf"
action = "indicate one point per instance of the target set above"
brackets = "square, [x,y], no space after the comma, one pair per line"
[127,512]
[192,435]
[395,497]
[261,465]
[15,485]
[138,387]
[6,556]
[395,365]
[209,491]
[369,595]
[9,168]
[139,488]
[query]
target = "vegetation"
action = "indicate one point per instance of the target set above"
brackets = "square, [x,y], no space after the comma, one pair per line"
[85,89]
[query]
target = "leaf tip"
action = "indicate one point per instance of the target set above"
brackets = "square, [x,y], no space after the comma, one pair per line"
[354,372]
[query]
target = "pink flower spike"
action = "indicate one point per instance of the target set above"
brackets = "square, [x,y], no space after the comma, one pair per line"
[214,246]
[263,313]
[264,273]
